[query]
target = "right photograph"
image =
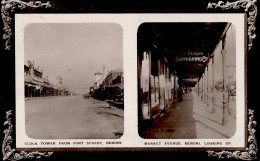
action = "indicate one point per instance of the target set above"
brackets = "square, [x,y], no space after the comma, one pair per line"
[187,80]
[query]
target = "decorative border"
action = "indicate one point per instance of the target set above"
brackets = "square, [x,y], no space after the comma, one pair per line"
[250,7]
[250,152]
[251,11]
[8,152]
[9,6]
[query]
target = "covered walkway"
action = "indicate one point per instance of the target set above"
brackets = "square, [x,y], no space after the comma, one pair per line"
[190,119]
[187,80]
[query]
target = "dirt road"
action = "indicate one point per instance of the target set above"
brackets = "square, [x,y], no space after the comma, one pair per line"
[72,117]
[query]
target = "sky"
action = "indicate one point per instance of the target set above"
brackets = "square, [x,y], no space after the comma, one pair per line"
[74,51]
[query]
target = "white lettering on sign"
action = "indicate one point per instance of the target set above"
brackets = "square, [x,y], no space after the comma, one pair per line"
[199,59]
[197,53]
[189,53]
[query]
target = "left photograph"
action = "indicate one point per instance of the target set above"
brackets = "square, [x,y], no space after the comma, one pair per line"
[73,81]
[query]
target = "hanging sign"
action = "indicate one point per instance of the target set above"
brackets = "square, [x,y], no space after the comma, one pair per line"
[197,59]
[191,57]
[191,53]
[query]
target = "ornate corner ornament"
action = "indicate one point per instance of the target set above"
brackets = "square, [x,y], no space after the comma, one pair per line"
[250,9]
[250,153]
[8,152]
[9,6]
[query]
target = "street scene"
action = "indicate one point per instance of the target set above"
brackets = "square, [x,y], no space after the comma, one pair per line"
[74,81]
[199,122]
[187,80]
[72,117]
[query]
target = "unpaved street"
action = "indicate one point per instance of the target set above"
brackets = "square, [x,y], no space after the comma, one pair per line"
[72,117]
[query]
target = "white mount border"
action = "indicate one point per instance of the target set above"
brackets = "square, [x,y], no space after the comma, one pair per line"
[250,7]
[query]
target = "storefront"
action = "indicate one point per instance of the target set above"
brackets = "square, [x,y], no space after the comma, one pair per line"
[177,58]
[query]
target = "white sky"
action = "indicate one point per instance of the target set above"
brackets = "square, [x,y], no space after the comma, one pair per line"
[74,51]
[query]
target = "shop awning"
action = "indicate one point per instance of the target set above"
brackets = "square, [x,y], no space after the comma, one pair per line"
[186,47]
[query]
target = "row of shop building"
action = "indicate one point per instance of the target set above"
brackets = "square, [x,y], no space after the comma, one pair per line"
[170,65]
[36,85]
[109,86]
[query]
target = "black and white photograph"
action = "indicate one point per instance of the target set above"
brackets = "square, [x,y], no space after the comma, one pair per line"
[187,80]
[130,81]
[114,80]
[73,81]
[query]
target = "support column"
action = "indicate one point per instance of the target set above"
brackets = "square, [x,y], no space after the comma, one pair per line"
[202,87]
[28,91]
[198,88]
[146,86]
[172,81]
[171,86]
[207,86]
[225,109]
[161,86]
[213,86]
[174,88]
[31,92]
[154,88]
[166,87]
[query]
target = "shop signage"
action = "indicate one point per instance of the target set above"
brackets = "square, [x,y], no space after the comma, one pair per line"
[189,59]
[191,53]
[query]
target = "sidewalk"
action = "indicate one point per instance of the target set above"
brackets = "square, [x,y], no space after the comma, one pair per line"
[191,119]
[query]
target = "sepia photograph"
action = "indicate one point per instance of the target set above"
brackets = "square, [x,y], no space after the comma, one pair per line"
[187,80]
[129,81]
[73,81]
[153,80]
